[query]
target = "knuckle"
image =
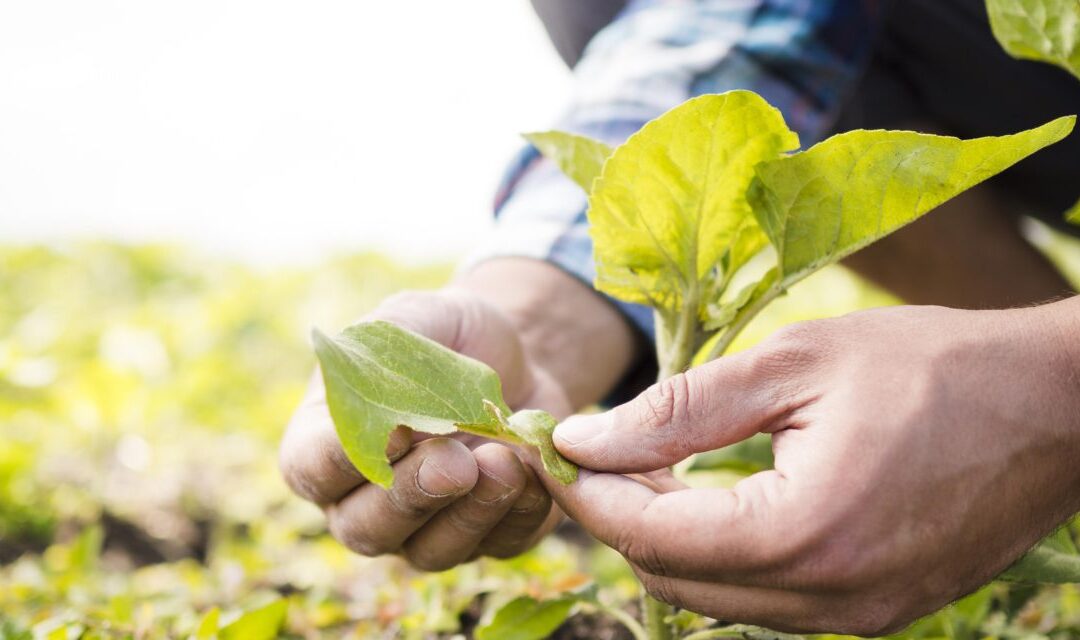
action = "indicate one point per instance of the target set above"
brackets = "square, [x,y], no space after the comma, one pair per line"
[667,405]
[410,505]
[663,589]
[424,560]
[793,346]
[354,537]
[311,465]
[470,521]
[642,553]
[868,618]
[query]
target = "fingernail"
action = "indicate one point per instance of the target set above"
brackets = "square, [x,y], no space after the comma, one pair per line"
[434,481]
[578,429]
[490,489]
[527,502]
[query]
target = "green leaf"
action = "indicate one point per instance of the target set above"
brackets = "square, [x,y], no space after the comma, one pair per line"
[263,623]
[535,428]
[748,456]
[671,201]
[580,158]
[1073,214]
[1042,30]
[379,376]
[820,205]
[1047,562]
[526,618]
[208,626]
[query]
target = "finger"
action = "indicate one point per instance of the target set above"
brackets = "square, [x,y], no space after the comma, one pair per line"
[311,458]
[530,518]
[451,536]
[464,323]
[776,609]
[373,521]
[738,534]
[705,408]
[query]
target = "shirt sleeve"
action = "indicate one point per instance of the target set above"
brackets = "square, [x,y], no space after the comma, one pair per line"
[802,56]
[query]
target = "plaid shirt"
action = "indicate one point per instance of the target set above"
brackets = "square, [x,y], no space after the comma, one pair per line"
[803,56]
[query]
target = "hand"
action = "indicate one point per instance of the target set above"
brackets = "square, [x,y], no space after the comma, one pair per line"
[453,498]
[919,451]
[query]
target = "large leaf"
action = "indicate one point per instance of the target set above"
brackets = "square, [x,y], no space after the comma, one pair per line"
[671,201]
[526,618]
[379,376]
[578,157]
[825,203]
[1043,30]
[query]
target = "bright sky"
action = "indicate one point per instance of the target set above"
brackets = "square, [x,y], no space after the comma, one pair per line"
[273,131]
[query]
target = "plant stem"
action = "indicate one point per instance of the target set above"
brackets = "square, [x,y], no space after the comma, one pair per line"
[741,320]
[626,619]
[675,349]
[711,634]
[654,613]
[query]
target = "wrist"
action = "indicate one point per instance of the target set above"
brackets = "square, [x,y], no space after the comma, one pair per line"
[565,327]
[1061,323]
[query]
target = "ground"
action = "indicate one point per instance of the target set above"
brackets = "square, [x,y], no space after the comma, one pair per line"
[142,394]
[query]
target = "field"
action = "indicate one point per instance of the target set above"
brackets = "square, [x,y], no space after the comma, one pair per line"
[142,394]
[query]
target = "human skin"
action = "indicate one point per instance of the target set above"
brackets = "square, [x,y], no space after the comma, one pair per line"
[918,452]
[555,344]
[559,346]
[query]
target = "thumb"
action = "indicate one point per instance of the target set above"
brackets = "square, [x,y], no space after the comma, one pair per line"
[705,408]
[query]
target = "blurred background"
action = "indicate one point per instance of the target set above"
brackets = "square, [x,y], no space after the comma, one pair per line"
[185,189]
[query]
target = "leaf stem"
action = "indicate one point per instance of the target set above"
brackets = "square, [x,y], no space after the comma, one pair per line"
[625,619]
[745,315]
[655,614]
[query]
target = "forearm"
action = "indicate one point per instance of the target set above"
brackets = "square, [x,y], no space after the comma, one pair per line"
[1062,354]
[566,328]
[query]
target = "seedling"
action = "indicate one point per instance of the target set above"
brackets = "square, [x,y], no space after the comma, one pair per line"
[705,215]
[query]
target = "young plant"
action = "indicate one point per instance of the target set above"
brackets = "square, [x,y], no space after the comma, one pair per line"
[706,216]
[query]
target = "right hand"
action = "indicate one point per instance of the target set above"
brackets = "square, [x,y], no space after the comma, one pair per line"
[453,498]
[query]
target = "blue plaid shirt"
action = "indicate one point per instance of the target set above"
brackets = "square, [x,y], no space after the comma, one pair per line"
[803,56]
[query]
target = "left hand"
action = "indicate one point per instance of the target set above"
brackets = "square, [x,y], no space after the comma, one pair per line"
[919,451]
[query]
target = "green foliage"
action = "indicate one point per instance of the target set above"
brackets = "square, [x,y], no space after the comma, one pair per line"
[1042,30]
[670,204]
[703,191]
[379,376]
[1073,214]
[526,618]
[144,389]
[579,157]
[263,623]
[823,204]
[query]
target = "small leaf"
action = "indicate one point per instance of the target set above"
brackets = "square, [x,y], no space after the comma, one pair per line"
[671,201]
[1045,563]
[526,618]
[580,158]
[823,204]
[1073,214]
[535,428]
[263,623]
[379,376]
[208,626]
[1042,30]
